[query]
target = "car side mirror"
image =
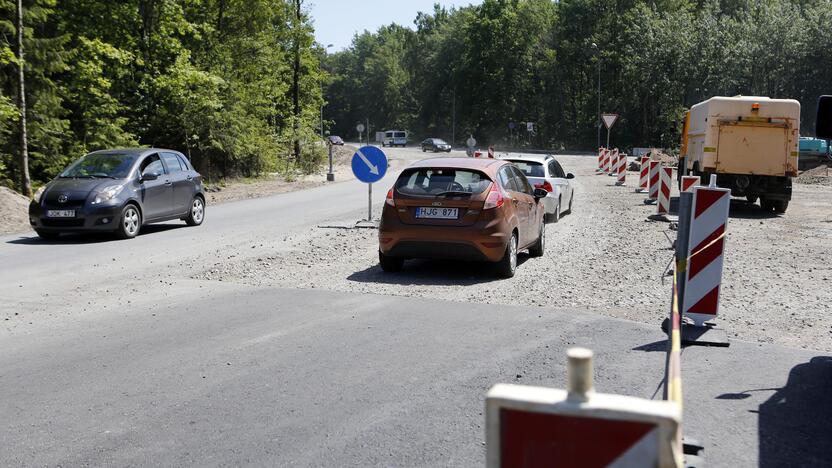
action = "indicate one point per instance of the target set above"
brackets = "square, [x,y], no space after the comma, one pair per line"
[570,175]
[823,124]
[148,176]
[539,193]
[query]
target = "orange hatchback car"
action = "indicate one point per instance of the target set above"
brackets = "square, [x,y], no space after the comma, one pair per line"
[461,208]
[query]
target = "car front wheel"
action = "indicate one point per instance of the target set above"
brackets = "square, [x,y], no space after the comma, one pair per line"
[508,264]
[130,222]
[197,213]
[540,246]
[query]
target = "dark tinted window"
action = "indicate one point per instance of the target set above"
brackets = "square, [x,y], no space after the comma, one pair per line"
[433,181]
[172,162]
[152,165]
[184,163]
[530,168]
[507,179]
[521,181]
[558,171]
[101,165]
[823,124]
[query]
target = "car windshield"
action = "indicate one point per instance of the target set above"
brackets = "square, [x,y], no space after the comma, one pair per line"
[116,165]
[399,135]
[530,168]
[441,181]
[438,141]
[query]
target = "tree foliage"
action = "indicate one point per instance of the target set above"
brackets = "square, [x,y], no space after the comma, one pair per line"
[476,69]
[210,78]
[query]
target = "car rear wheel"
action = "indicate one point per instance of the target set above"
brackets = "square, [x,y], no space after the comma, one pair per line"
[780,206]
[554,217]
[539,247]
[508,264]
[752,199]
[130,222]
[569,210]
[766,204]
[390,264]
[197,213]
[46,235]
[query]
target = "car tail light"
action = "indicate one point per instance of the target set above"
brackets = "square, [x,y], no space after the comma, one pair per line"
[494,199]
[545,186]
[389,200]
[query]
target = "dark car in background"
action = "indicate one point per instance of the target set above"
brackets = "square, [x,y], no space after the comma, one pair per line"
[336,140]
[436,145]
[119,191]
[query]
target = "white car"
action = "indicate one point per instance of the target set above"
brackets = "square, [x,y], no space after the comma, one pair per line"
[544,171]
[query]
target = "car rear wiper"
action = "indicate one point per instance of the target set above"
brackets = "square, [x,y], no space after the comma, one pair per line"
[454,193]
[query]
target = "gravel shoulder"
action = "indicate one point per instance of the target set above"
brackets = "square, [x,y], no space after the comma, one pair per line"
[604,258]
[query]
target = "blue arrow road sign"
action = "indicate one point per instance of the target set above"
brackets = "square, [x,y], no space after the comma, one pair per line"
[369,164]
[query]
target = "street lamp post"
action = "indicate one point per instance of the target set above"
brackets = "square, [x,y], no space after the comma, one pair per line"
[330,176]
[598,113]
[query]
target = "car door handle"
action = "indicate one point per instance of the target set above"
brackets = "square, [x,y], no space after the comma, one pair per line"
[168,182]
[190,177]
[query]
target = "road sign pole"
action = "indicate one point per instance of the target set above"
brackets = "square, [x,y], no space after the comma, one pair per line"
[608,138]
[369,202]
[330,176]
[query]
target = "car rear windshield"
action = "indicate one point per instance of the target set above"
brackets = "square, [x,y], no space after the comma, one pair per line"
[101,165]
[440,181]
[530,168]
[399,135]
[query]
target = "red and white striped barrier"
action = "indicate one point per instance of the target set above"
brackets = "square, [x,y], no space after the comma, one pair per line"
[706,245]
[614,163]
[600,169]
[622,170]
[607,160]
[653,187]
[537,426]
[689,183]
[644,175]
[665,178]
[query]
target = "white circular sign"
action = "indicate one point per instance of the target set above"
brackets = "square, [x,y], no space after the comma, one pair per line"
[471,141]
[360,127]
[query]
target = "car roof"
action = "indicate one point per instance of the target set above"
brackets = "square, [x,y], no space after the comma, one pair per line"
[135,151]
[541,158]
[481,164]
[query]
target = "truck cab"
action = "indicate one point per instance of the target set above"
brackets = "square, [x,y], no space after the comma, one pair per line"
[749,142]
[395,138]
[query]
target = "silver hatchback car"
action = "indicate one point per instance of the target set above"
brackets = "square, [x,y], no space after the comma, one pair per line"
[544,171]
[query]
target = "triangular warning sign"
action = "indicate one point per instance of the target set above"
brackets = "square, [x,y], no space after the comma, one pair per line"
[609,119]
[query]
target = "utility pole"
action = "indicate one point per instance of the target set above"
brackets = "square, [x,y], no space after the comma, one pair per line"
[453,118]
[598,112]
[296,79]
[25,181]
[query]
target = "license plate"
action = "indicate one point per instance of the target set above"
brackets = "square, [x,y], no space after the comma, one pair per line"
[436,213]
[60,213]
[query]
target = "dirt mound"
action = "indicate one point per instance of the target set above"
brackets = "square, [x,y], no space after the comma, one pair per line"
[821,175]
[666,159]
[14,212]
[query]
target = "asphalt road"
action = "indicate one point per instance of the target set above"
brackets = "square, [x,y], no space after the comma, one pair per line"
[112,359]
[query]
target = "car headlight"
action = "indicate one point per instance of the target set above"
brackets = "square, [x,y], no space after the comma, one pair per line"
[39,193]
[107,193]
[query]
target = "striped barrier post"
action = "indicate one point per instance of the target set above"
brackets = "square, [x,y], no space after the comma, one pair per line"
[607,160]
[536,426]
[706,245]
[644,175]
[622,170]
[614,163]
[653,183]
[665,177]
[688,183]
[600,169]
